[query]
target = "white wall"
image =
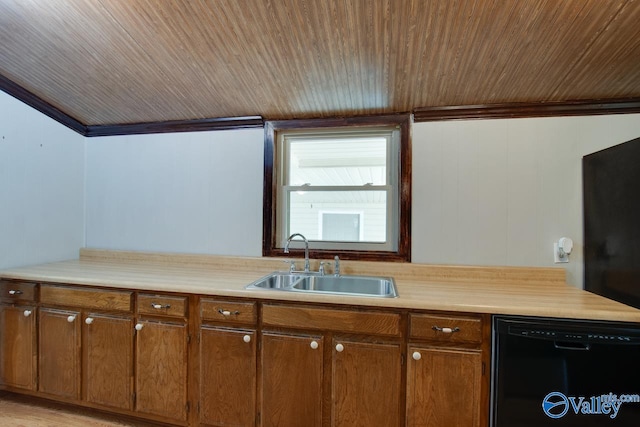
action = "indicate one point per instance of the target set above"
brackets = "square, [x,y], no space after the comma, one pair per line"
[182,192]
[500,192]
[485,192]
[41,187]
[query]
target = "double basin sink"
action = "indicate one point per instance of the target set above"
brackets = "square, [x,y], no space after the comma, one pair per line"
[328,284]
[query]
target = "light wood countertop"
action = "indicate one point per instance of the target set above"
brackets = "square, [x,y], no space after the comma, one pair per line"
[494,290]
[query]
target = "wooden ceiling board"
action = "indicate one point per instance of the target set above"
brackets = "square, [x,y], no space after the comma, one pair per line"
[610,67]
[137,61]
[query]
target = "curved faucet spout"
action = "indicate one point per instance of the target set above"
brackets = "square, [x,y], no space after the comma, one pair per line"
[306,249]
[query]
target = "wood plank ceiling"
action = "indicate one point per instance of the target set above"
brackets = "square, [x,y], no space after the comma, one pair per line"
[137,61]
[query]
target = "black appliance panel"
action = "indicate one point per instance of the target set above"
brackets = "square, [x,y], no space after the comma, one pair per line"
[565,373]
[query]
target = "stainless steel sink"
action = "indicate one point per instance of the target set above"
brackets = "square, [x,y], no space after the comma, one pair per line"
[277,280]
[314,283]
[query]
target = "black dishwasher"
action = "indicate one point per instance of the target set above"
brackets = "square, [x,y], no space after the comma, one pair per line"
[554,372]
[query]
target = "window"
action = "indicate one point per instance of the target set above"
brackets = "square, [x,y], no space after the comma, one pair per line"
[342,183]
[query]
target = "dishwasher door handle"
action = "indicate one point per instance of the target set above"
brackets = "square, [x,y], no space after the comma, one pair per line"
[572,346]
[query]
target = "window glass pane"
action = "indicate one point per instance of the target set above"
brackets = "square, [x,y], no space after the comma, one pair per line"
[337,161]
[341,227]
[343,212]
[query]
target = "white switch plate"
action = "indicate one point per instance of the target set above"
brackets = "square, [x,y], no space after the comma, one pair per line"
[556,256]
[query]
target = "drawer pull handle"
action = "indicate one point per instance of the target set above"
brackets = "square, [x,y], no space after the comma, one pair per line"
[446,330]
[246,338]
[71,318]
[314,345]
[160,306]
[339,348]
[27,313]
[416,355]
[227,312]
[139,326]
[15,292]
[88,320]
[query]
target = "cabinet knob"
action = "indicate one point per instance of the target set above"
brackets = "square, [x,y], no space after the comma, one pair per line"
[160,306]
[339,348]
[71,318]
[246,338]
[88,320]
[314,345]
[27,313]
[14,292]
[139,326]
[416,355]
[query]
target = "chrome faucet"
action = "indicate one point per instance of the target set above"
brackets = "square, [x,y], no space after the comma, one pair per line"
[336,266]
[306,249]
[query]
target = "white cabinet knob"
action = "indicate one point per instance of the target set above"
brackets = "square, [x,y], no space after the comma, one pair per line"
[246,338]
[27,313]
[139,326]
[314,345]
[71,318]
[88,320]
[416,355]
[14,292]
[339,348]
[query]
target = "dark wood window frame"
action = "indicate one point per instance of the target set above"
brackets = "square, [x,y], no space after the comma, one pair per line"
[271,128]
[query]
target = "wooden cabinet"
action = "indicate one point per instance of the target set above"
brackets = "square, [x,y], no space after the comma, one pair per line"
[254,363]
[227,377]
[161,382]
[355,382]
[108,360]
[447,383]
[18,356]
[59,339]
[366,383]
[443,387]
[228,362]
[18,335]
[86,355]
[292,380]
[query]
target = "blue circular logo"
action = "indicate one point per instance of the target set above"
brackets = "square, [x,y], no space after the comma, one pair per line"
[555,405]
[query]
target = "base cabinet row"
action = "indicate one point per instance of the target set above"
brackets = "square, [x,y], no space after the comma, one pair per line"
[280,376]
[253,364]
[111,358]
[94,353]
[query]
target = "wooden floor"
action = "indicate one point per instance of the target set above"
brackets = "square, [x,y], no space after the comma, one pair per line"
[22,411]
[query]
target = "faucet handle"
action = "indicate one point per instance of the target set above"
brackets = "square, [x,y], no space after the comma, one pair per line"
[292,265]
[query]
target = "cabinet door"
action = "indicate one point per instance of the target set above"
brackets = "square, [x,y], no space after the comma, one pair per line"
[292,372]
[59,348]
[443,387]
[161,369]
[18,357]
[366,384]
[227,377]
[108,361]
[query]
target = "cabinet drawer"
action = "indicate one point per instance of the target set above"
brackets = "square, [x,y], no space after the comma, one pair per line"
[228,311]
[17,291]
[442,328]
[348,321]
[97,299]
[162,305]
